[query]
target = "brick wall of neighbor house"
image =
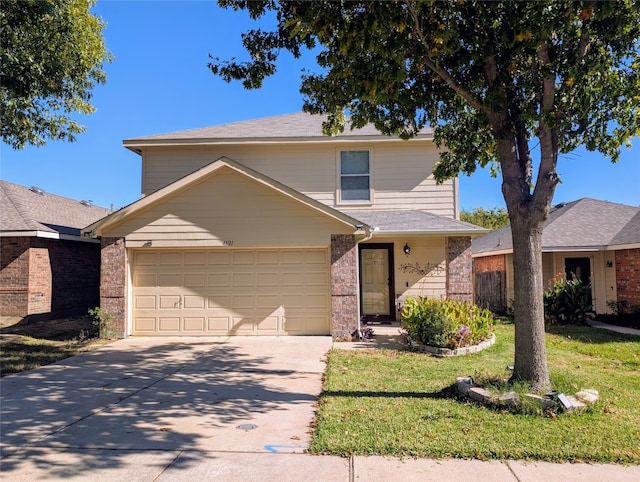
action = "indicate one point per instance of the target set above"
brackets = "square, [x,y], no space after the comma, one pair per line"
[40,278]
[75,275]
[113,283]
[48,276]
[628,276]
[459,276]
[344,285]
[14,276]
[489,282]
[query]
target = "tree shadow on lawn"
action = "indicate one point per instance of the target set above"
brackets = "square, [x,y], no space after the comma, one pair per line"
[447,393]
[104,404]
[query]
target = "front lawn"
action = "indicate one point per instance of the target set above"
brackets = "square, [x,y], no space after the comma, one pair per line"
[389,402]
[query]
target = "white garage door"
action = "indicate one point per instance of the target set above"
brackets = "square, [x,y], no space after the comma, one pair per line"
[231,292]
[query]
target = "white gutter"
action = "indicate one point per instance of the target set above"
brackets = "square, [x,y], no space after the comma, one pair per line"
[48,235]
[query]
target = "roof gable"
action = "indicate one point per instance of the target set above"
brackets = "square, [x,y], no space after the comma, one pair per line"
[202,174]
[298,127]
[29,211]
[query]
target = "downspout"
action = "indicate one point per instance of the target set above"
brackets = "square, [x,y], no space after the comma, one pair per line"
[369,235]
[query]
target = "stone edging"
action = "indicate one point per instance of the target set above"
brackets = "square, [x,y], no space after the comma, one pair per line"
[442,352]
[575,403]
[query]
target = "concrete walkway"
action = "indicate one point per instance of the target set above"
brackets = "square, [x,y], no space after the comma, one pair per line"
[174,409]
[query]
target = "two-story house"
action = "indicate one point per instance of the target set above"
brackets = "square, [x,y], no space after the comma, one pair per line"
[269,227]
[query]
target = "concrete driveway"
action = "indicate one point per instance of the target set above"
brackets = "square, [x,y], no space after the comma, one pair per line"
[145,409]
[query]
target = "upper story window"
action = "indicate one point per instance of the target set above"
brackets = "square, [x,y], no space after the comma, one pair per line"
[355,176]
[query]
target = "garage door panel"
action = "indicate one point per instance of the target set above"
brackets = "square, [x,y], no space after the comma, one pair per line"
[242,280]
[219,301]
[218,280]
[316,278]
[293,279]
[170,279]
[194,301]
[242,325]
[170,259]
[169,324]
[195,280]
[145,302]
[143,279]
[194,324]
[269,324]
[268,301]
[267,280]
[226,292]
[195,258]
[219,324]
[144,325]
[169,302]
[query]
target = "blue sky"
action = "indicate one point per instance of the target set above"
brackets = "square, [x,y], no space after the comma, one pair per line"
[159,82]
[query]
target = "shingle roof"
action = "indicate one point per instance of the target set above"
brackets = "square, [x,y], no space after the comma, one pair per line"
[630,234]
[413,221]
[24,209]
[586,223]
[298,126]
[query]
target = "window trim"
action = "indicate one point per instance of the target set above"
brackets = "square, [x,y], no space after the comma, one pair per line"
[338,194]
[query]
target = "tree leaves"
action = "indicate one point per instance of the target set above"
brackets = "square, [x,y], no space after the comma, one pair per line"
[51,58]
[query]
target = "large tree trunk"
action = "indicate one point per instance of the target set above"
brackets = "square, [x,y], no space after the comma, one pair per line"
[530,350]
[527,214]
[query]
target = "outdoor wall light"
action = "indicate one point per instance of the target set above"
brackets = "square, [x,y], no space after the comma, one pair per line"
[406,249]
[609,264]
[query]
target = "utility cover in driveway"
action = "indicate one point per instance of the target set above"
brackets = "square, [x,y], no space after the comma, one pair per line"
[231,292]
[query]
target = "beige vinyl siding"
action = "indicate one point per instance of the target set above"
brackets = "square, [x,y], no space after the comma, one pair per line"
[423,272]
[401,171]
[227,209]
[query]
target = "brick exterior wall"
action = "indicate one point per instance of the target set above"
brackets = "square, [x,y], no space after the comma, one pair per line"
[459,265]
[628,276]
[487,264]
[344,285]
[48,276]
[40,277]
[113,283]
[14,276]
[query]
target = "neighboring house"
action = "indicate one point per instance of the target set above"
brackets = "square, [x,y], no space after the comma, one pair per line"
[46,267]
[268,227]
[595,241]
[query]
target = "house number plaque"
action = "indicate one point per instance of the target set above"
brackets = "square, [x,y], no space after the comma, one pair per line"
[228,242]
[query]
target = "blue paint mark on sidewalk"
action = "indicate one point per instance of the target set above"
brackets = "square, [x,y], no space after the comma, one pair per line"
[274,448]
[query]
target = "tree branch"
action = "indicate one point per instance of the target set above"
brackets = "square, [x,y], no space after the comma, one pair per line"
[442,73]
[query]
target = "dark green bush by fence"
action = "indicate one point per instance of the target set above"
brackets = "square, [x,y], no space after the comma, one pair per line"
[567,301]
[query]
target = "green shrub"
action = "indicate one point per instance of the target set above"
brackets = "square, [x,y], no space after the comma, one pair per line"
[567,301]
[102,322]
[446,323]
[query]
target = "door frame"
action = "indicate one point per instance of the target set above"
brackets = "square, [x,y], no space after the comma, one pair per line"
[391,284]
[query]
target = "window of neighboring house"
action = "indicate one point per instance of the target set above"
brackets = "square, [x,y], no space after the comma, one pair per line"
[355,176]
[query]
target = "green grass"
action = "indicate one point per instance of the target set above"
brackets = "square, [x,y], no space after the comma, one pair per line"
[389,402]
[26,353]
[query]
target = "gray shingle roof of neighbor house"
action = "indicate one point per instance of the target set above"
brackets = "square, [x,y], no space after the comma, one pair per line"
[300,127]
[414,222]
[583,224]
[27,211]
[630,234]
